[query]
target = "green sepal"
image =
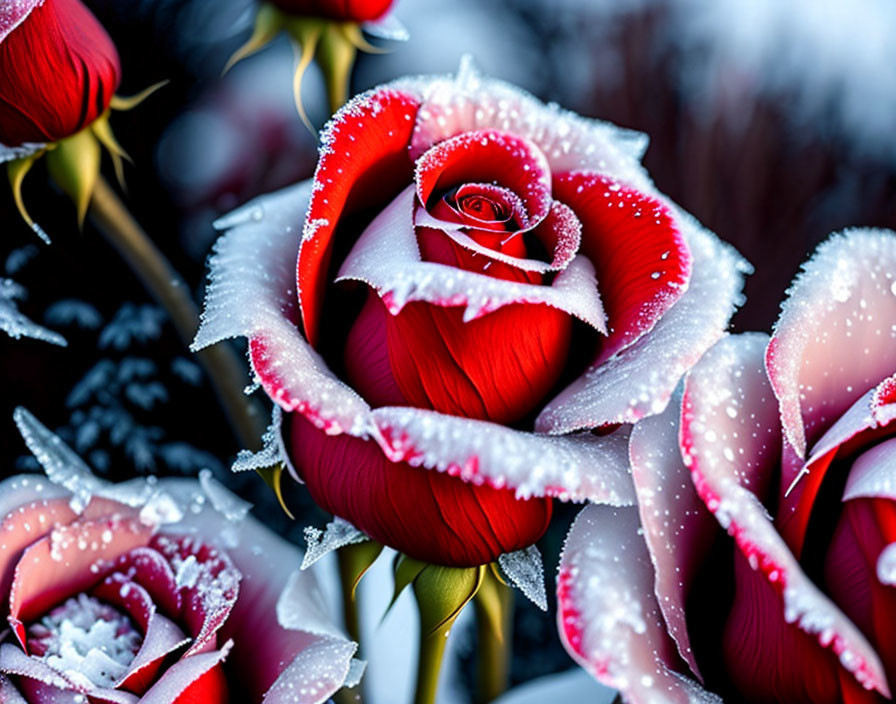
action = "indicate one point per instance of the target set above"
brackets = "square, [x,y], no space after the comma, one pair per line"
[268,23]
[355,560]
[16,170]
[405,570]
[491,603]
[74,165]
[273,477]
[442,593]
[336,56]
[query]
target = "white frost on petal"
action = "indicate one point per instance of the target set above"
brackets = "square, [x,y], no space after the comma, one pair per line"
[16,325]
[225,502]
[733,457]
[22,150]
[526,570]
[315,675]
[607,613]
[13,13]
[270,454]
[62,465]
[836,335]
[386,257]
[468,102]
[873,474]
[252,293]
[639,380]
[580,467]
[337,534]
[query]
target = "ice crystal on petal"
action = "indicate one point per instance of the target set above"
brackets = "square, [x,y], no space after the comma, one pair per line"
[525,569]
[302,606]
[16,325]
[315,675]
[22,150]
[228,504]
[271,452]
[62,465]
[337,534]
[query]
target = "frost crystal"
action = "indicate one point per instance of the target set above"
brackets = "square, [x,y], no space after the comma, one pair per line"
[337,534]
[269,455]
[73,312]
[16,325]
[525,569]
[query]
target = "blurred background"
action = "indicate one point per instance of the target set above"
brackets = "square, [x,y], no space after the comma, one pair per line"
[772,121]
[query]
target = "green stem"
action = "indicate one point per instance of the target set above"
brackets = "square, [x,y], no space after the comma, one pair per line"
[223,367]
[432,648]
[493,605]
[349,606]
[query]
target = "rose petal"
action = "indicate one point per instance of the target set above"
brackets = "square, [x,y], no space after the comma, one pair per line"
[873,474]
[252,293]
[573,467]
[317,672]
[453,105]
[730,439]
[387,259]
[488,156]
[835,335]
[607,613]
[12,14]
[67,561]
[8,692]
[866,420]
[639,253]
[148,569]
[640,379]
[173,686]
[677,527]
[363,162]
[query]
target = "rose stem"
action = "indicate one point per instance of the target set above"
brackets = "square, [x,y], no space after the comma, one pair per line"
[350,617]
[494,648]
[221,364]
[432,648]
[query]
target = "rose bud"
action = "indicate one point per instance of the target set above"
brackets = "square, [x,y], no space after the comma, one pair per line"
[328,30]
[58,74]
[468,252]
[788,445]
[164,591]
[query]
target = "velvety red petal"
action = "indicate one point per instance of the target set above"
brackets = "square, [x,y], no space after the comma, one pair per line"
[60,69]
[210,688]
[425,514]
[487,157]
[68,561]
[191,680]
[363,162]
[497,367]
[642,261]
[344,10]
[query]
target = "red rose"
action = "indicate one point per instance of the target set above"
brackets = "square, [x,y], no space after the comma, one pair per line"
[164,592]
[58,70]
[343,10]
[798,607]
[467,253]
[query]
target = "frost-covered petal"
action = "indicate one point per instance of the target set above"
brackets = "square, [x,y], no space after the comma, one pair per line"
[386,257]
[835,335]
[639,380]
[13,322]
[13,13]
[8,692]
[801,480]
[638,251]
[252,293]
[467,102]
[363,162]
[573,467]
[873,474]
[607,613]
[730,439]
[199,675]
[677,527]
[315,674]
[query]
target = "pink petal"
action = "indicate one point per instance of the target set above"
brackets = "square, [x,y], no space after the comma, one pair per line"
[730,439]
[677,527]
[873,474]
[8,692]
[69,560]
[467,102]
[835,335]
[314,675]
[147,568]
[363,162]
[12,14]
[573,467]
[607,613]
[639,380]
[252,294]
[387,259]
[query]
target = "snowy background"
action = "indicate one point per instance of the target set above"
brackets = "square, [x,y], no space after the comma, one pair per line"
[771,120]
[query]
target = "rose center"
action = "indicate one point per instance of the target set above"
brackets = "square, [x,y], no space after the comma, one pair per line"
[89,642]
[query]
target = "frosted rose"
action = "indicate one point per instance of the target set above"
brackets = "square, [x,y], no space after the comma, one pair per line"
[160,592]
[480,278]
[789,445]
